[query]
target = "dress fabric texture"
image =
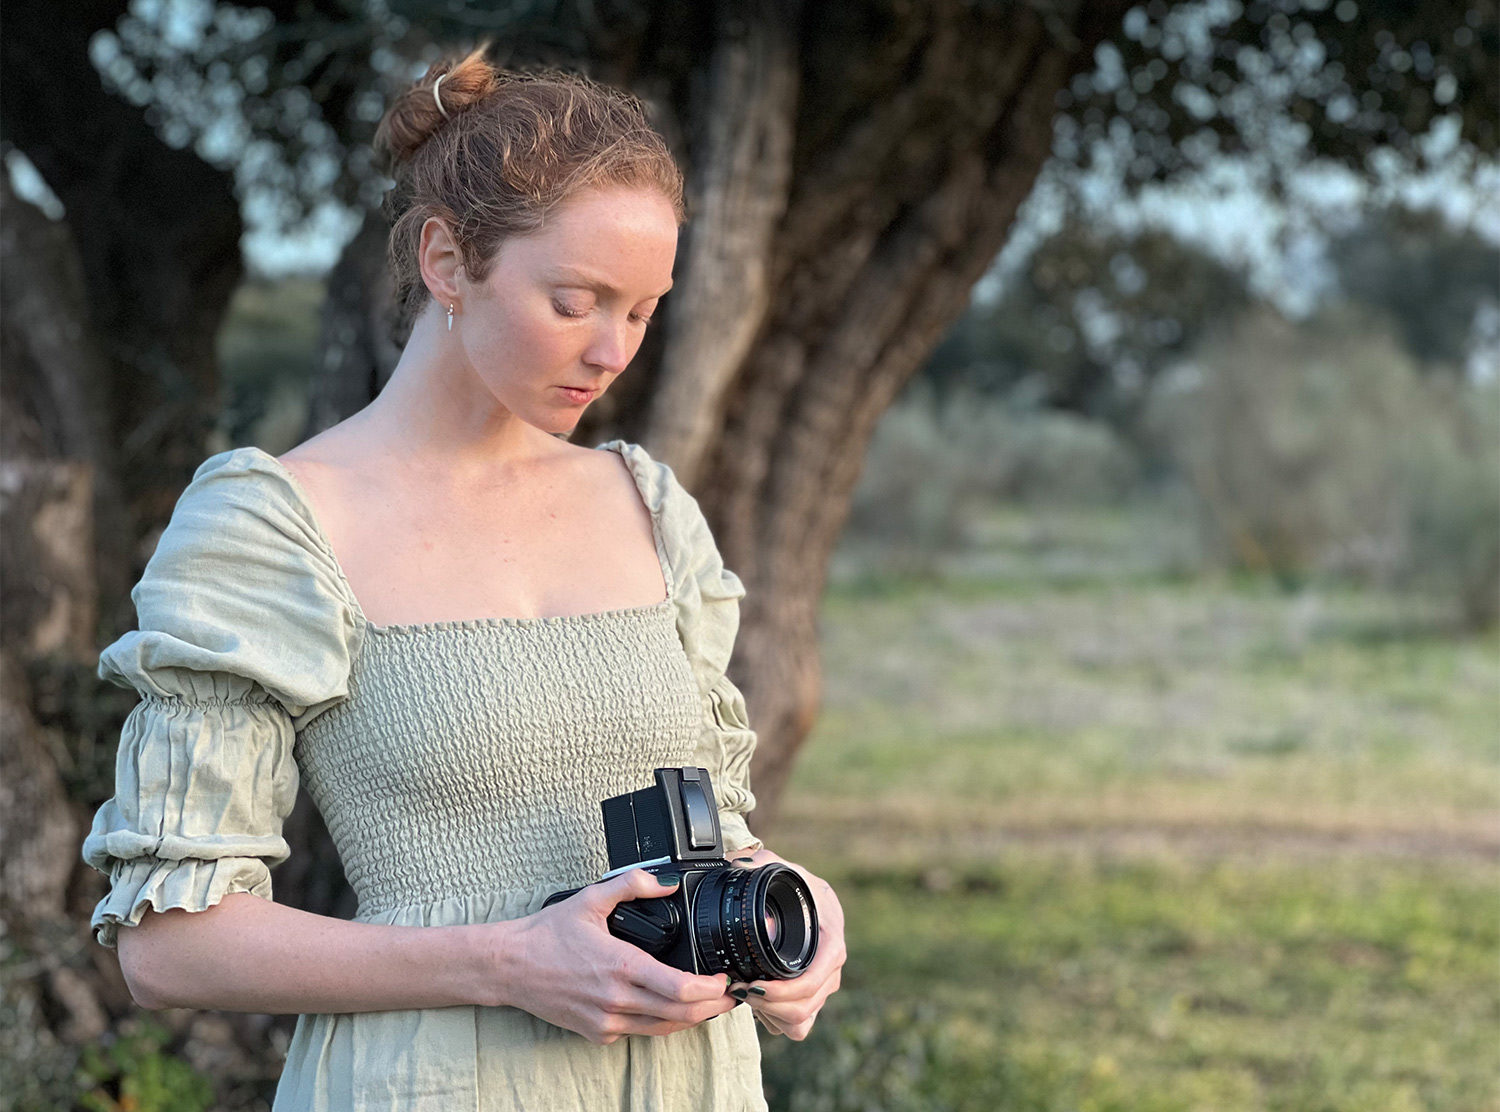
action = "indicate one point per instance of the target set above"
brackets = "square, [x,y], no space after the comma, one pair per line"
[458,765]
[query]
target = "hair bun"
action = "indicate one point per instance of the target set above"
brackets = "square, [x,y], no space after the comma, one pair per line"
[418,112]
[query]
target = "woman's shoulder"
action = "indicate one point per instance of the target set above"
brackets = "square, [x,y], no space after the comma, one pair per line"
[241,532]
[707,592]
[678,512]
[241,479]
[240,499]
[240,582]
[664,496]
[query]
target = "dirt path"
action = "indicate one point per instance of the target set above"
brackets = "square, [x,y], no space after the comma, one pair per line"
[930,836]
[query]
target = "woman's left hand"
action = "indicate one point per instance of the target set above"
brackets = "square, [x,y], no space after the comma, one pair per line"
[790,1007]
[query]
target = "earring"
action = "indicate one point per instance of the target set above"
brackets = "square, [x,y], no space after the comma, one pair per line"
[450,316]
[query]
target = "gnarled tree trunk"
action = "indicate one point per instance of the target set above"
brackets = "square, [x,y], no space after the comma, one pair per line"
[850,178]
[108,324]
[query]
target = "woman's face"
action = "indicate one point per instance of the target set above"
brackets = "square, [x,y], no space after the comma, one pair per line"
[563,310]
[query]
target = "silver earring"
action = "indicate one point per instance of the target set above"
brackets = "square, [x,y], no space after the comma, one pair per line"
[450,316]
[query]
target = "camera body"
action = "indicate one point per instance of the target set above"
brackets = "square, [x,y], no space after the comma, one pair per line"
[757,924]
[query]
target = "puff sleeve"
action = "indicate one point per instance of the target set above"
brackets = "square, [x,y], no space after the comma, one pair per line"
[246,631]
[707,597]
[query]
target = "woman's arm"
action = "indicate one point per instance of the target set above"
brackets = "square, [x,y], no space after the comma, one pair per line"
[561,964]
[790,1007]
[247,954]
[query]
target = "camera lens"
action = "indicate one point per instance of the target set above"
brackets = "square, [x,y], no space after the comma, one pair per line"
[758,924]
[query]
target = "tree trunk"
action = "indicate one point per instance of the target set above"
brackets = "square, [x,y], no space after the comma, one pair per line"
[744,117]
[108,325]
[357,343]
[156,231]
[872,270]
[850,178]
[52,1000]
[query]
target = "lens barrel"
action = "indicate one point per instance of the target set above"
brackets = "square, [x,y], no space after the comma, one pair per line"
[758,924]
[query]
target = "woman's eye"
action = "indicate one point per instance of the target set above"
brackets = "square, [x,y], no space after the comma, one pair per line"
[569,311]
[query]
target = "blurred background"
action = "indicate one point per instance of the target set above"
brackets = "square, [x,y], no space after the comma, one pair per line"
[1126,376]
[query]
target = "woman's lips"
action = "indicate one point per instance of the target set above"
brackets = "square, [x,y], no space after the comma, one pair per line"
[577,395]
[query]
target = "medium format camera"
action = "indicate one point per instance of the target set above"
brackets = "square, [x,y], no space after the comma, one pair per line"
[756,924]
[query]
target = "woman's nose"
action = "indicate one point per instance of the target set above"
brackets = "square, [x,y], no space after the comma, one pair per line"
[613,347]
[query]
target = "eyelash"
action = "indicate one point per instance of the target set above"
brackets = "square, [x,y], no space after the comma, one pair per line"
[565,311]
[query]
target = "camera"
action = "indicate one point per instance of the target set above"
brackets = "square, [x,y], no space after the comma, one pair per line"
[754,924]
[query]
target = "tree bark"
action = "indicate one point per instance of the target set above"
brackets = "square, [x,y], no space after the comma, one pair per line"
[358,346]
[108,325]
[56,996]
[744,117]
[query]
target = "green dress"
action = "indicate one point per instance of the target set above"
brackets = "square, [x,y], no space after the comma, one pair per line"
[458,765]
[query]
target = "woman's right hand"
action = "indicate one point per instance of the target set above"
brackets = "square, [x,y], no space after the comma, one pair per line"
[562,965]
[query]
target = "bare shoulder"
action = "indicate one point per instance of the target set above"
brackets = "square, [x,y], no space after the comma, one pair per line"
[608,473]
[608,489]
[327,450]
[323,466]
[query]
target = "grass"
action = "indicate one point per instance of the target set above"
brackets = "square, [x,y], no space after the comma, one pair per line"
[1111,838]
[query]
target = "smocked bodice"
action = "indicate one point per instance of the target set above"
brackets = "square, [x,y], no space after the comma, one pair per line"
[470,757]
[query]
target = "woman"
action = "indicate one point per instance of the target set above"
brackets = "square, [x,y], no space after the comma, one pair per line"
[460,632]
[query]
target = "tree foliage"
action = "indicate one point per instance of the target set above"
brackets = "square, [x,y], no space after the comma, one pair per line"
[288,94]
[1095,314]
[1184,84]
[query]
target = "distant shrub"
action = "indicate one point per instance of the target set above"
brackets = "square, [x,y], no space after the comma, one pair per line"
[1451,498]
[1323,449]
[859,1058]
[932,465]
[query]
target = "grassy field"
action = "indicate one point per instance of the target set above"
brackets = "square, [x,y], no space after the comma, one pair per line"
[1109,837]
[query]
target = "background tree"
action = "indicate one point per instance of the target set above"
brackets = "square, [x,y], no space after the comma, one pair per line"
[1088,323]
[1096,313]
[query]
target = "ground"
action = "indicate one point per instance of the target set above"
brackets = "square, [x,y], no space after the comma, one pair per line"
[1112,836]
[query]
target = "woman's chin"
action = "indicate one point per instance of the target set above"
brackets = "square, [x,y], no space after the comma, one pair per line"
[556,423]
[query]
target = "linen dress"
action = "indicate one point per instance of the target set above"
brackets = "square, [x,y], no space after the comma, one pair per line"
[458,765]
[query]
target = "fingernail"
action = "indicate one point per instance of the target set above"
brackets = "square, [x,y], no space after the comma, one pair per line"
[739,993]
[744,860]
[758,991]
[728,981]
[666,880]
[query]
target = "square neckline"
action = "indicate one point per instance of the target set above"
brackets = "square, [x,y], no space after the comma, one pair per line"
[497,621]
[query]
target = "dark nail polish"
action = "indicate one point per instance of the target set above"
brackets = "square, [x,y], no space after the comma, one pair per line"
[744,860]
[666,880]
[739,993]
[756,990]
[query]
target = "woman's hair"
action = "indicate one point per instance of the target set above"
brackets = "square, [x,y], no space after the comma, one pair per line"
[512,147]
